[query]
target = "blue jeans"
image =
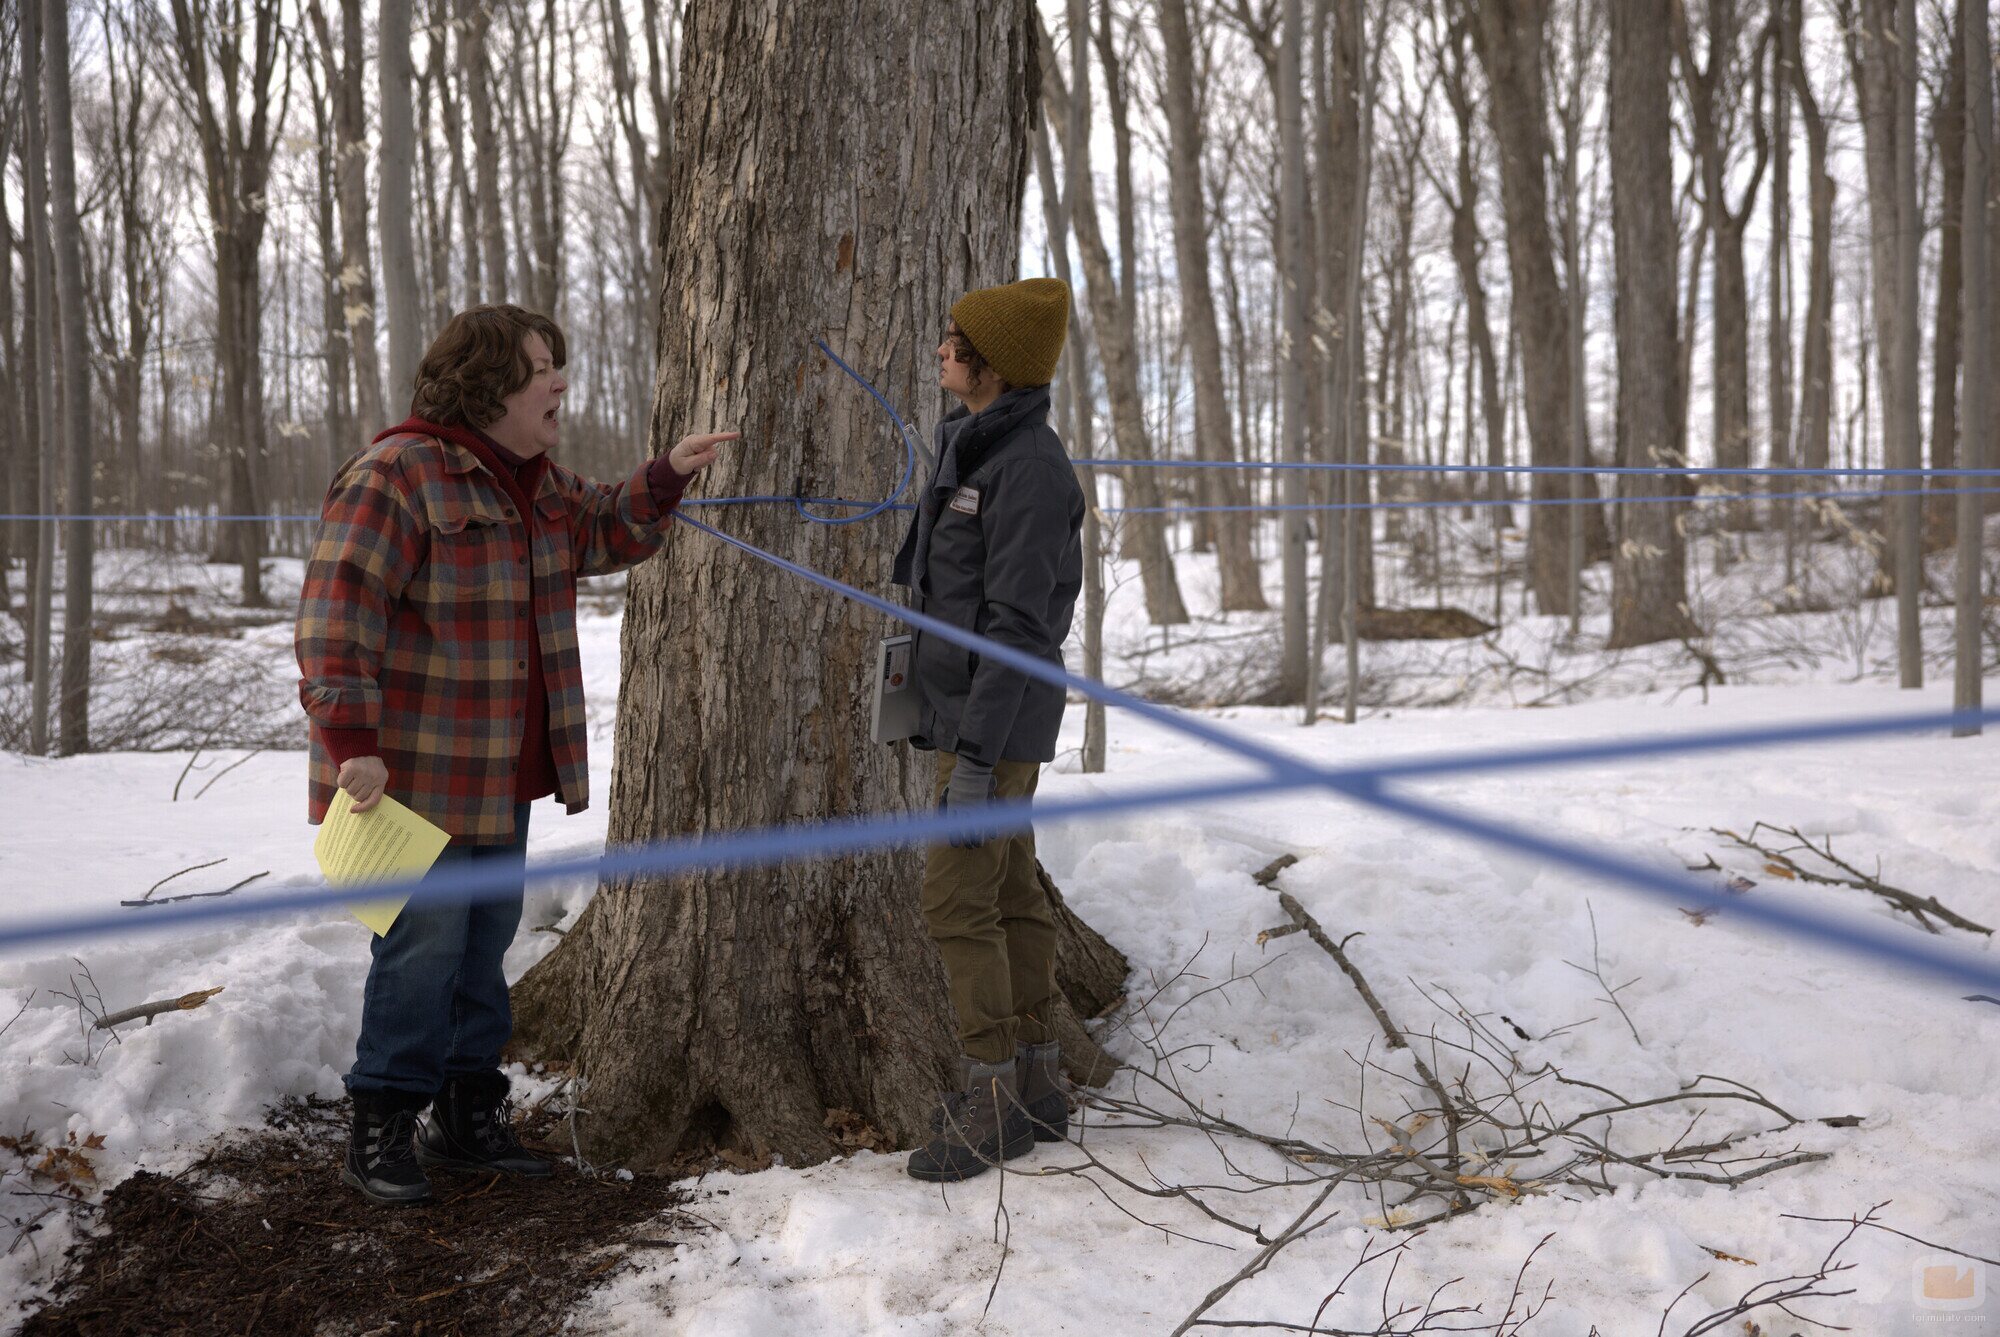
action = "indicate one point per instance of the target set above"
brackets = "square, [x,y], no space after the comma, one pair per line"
[435,1005]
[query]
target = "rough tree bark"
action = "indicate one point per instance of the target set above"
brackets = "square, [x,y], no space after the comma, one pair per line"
[1242,587]
[1509,37]
[78,536]
[1649,566]
[1116,347]
[396,166]
[821,186]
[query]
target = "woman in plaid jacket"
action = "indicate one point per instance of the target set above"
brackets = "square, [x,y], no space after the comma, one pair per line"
[438,658]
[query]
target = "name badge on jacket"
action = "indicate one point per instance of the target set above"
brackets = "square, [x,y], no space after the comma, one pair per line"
[966,500]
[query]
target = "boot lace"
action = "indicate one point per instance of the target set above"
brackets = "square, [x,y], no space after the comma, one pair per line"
[391,1144]
[493,1129]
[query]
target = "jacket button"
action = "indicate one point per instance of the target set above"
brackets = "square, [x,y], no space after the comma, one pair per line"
[509,512]
[522,560]
[521,664]
[524,612]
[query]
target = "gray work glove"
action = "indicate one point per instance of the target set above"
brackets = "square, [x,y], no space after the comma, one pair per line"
[970,786]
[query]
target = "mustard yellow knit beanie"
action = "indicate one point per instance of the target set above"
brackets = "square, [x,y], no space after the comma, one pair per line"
[1018,328]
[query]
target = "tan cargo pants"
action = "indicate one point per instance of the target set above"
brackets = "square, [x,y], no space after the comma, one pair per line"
[990,919]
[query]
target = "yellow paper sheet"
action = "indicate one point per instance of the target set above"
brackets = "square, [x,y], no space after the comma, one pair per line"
[388,843]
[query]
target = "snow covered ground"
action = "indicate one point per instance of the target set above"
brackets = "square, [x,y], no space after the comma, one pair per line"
[854,1246]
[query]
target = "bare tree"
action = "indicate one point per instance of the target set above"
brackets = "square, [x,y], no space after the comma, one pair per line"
[1510,38]
[1717,109]
[1115,341]
[1816,364]
[1468,245]
[42,335]
[1947,126]
[229,65]
[755,1010]
[1881,50]
[1976,238]
[15,432]
[1074,403]
[396,166]
[341,436]
[1649,566]
[1242,587]
[476,75]
[345,84]
[79,540]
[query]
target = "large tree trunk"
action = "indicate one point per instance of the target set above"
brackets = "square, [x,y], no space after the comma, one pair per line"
[1242,587]
[1649,568]
[397,166]
[78,539]
[738,1008]
[1509,38]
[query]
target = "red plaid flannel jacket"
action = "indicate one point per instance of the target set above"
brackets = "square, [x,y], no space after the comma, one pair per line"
[415,615]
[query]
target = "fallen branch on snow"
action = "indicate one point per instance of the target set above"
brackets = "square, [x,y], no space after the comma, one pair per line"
[187,1002]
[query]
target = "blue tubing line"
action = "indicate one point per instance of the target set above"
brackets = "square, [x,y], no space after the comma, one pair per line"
[1539,501]
[1666,471]
[909,454]
[858,834]
[1924,954]
[870,509]
[739,849]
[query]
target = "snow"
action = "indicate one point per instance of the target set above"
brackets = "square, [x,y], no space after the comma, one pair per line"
[855,1246]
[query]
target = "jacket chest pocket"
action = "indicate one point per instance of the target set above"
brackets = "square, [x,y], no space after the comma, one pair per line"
[478,550]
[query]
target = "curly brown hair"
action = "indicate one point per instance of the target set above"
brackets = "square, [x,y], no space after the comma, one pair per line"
[974,362]
[477,360]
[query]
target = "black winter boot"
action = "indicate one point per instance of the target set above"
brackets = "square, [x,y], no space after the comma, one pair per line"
[977,1127]
[381,1161]
[1038,1072]
[468,1129]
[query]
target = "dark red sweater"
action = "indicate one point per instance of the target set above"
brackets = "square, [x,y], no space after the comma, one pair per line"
[520,478]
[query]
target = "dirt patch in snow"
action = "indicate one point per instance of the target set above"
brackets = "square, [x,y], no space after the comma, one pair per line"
[260,1235]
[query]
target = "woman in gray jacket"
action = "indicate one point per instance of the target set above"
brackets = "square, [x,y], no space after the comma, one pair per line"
[995,548]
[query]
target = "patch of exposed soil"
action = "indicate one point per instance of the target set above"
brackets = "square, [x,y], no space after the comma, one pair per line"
[260,1236]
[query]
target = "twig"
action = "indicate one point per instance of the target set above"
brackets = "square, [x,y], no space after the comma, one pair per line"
[1296,1230]
[226,770]
[1918,907]
[1382,1018]
[187,1002]
[1596,972]
[199,895]
[171,876]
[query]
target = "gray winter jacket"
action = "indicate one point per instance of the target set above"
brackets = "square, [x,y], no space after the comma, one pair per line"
[995,548]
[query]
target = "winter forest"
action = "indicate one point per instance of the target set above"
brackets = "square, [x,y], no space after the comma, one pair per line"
[1521,847]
